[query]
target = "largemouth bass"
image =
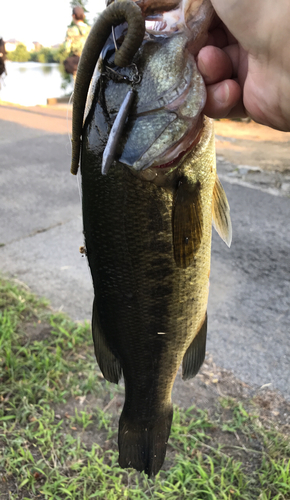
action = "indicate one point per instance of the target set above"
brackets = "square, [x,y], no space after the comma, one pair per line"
[147,225]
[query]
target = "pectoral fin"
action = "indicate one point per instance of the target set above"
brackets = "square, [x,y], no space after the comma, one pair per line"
[194,356]
[187,222]
[221,213]
[108,363]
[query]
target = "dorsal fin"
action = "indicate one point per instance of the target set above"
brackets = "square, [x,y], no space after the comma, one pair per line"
[221,213]
[187,222]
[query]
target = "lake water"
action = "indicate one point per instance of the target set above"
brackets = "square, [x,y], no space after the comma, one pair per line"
[31,83]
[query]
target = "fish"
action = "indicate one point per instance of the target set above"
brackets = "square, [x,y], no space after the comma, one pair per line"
[148,210]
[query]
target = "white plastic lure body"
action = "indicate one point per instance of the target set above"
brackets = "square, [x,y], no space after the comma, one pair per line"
[116,132]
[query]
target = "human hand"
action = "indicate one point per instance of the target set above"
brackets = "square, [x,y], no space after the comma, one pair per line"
[246,63]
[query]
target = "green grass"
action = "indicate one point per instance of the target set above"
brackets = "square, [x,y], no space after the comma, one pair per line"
[54,447]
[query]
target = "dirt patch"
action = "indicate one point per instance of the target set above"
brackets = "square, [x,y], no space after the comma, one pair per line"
[253,156]
[94,431]
[52,119]
[249,130]
[36,330]
[253,144]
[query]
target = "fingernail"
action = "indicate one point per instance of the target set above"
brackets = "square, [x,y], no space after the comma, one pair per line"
[222,93]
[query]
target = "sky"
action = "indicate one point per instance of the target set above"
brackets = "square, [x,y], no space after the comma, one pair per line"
[40,20]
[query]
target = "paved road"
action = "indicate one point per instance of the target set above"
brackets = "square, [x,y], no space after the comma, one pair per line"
[41,231]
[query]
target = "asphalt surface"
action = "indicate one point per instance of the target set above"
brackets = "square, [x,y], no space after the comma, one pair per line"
[41,232]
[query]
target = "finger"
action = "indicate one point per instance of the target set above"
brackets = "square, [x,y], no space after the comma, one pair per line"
[214,64]
[238,111]
[234,52]
[219,35]
[224,100]
[218,38]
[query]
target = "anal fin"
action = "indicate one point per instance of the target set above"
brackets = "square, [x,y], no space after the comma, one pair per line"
[110,366]
[195,354]
[221,213]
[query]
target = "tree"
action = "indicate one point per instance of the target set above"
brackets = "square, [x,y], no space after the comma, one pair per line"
[20,54]
[60,54]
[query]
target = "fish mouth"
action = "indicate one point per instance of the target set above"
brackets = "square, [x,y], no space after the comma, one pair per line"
[177,154]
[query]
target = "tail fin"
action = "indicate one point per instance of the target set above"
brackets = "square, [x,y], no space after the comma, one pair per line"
[143,446]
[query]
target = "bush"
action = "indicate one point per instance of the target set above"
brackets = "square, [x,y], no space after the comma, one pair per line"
[43,55]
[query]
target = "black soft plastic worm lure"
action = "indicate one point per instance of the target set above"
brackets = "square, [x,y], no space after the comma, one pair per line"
[114,14]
